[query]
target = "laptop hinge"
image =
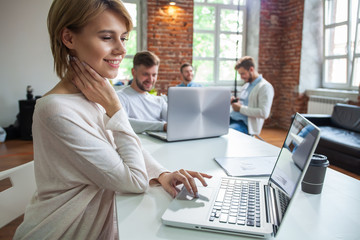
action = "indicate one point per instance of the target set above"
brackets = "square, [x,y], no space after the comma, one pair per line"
[271,213]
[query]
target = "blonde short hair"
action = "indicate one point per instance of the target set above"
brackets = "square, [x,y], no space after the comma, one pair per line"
[74,15]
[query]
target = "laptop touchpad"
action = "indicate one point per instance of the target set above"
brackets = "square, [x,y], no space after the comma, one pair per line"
[204,195]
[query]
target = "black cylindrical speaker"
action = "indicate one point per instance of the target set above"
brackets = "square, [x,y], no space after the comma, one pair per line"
[25,118]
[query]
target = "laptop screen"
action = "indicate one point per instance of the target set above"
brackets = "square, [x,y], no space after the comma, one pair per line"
[296,150]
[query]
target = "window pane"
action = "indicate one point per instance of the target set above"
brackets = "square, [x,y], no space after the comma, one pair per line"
[216,22]
[354,9]
[204,71]
[228,45]
[335,71]
[203,45]
[356,76]
[336,41]
[229,20]
[358,40]
[131,44]
[204,18]
[131,7]
[227,71]
[336,11]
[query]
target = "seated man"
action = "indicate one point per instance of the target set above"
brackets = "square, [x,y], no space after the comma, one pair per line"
[256,96]
[145,111]
[187,75]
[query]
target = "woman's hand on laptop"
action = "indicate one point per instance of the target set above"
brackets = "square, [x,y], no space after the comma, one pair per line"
[169,181]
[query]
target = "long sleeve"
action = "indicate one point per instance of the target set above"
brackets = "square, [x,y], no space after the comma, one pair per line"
[129,148]
[259,108]
[153,167]
[260,101]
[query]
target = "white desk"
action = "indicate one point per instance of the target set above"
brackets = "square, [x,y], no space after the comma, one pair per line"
[334,214]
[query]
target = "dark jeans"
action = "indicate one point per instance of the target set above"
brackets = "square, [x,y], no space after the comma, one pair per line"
[239,126]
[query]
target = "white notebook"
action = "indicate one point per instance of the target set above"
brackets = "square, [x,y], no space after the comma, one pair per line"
[247,166]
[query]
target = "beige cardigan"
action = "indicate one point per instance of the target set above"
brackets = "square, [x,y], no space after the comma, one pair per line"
[260,102]
[81,159]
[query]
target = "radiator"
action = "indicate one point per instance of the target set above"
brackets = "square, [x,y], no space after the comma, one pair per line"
[323,105]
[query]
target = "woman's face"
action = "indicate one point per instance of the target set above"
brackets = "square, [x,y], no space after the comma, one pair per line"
[101,43]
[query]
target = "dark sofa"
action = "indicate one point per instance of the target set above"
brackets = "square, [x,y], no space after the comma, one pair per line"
[340,136]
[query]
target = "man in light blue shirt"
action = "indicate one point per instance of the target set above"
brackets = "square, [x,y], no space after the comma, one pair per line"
[187,75]
[255,99]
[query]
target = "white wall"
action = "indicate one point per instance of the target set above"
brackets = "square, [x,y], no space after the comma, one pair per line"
[25,55]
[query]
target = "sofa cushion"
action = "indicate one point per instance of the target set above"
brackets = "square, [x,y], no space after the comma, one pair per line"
[341,140]
[345,161]
[346,116]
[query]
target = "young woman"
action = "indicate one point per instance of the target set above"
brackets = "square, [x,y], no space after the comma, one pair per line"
[84,147]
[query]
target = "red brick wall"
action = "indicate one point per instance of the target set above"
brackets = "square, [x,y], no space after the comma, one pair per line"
[170,36]
[279,56]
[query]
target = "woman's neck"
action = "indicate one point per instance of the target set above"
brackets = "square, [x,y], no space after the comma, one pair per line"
[65,86]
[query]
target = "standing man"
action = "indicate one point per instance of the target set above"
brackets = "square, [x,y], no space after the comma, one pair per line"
[145,111]
[256,96]
[187,75]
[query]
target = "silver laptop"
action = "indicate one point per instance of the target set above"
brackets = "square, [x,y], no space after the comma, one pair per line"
[249,206]
[194,113]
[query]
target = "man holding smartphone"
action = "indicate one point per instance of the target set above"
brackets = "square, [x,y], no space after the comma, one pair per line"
[255,99]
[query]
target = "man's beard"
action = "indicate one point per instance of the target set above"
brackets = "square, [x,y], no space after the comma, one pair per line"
[187,79]
[140,86]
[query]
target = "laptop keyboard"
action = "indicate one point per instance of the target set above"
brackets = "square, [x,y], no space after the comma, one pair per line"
[237,202]
[284,202]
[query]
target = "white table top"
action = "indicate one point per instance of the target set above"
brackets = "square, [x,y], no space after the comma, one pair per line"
[333,214]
